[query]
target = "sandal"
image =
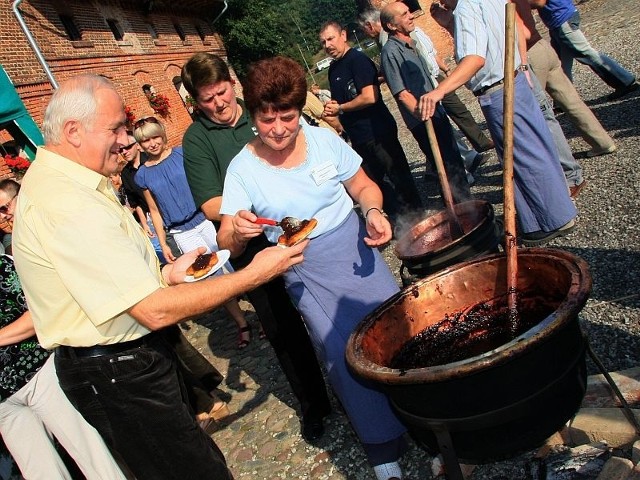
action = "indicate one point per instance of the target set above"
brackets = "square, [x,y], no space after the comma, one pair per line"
[242,341]
[220,411]
[261,334]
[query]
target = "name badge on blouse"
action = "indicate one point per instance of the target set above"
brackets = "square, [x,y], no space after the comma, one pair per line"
[324,172]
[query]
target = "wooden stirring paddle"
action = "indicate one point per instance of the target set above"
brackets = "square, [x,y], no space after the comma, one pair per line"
[454,223]
[511,246]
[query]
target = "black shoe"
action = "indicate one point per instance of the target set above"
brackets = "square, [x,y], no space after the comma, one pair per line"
[478,161]
[312,429]
[621,92]
[486,147]
[535,239]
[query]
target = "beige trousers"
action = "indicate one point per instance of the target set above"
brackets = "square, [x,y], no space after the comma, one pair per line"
[545,63]
[40,409]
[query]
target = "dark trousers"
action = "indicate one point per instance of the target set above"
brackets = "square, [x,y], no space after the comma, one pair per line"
[462,117]
[384,156]
[453,164]
[199,375]
[136,401]
[289,338]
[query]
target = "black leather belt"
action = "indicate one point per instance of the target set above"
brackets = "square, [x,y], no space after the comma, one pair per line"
[101,350]
[481,91]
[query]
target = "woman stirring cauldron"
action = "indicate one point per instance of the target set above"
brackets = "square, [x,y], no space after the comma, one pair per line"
[293,169]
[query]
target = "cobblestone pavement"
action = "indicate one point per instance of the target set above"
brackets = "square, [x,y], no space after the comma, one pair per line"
[261,440]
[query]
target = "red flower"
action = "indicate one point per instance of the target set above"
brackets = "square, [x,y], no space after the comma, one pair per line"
[131,118]
[16,163]
[160,104]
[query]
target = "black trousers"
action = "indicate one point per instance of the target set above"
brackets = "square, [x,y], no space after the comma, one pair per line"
[288,336]
[384,156]
[453,164]
[461,116]
[199,375]
[136,400]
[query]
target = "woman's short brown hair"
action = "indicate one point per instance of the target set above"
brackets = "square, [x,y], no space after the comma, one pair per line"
[277,83]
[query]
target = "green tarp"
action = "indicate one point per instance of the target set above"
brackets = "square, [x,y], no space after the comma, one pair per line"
[15,118]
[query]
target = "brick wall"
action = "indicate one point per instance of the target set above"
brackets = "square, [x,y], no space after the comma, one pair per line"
[130,63]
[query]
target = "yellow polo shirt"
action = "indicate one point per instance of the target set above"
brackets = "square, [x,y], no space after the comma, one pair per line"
[82,258]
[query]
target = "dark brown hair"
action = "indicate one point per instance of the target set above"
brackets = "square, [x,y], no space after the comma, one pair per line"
[277,83]
[204,69]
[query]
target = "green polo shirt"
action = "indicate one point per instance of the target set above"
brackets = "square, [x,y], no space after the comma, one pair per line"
[208,148]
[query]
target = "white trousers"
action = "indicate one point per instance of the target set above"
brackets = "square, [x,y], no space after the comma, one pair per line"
[203,235]
[40,409]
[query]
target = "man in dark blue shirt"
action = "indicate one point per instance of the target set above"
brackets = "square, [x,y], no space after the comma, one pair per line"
[355,93]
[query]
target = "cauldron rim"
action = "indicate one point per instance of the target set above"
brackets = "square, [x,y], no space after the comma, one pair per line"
[485,208]
[574,300]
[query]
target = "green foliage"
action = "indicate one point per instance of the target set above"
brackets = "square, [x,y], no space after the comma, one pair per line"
[256,29]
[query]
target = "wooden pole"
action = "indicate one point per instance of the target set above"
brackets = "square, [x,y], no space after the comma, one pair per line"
[509,199]
[447,197]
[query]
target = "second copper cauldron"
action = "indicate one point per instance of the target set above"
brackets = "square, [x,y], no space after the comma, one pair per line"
[499,402]
[429,247]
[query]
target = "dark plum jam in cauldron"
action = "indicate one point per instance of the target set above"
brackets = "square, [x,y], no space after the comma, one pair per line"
[469,333]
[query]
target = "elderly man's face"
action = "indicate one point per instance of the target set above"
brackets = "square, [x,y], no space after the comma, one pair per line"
[334,41]
[402,18]
[100,143]
[371,29]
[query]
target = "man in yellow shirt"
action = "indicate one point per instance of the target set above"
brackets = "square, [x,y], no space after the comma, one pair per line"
[98,297]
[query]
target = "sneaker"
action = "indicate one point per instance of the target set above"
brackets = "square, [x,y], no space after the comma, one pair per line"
[596,152]
[535,239]
[576,189]
[621,92]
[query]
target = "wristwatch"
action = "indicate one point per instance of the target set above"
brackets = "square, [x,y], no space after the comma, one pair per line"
[340,111]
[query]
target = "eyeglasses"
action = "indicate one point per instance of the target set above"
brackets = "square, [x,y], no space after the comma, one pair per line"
[5,208]
[144,121]
[126,147]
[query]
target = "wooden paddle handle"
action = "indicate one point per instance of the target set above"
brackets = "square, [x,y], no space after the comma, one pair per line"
[447,197]
[509,198]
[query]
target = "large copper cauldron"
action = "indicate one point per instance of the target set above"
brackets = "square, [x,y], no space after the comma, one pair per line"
[501,401]
[429,247]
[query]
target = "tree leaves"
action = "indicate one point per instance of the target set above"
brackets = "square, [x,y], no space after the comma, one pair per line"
[257,29]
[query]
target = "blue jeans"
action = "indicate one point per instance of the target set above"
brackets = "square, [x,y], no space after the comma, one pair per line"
[136,400]
[155,242]
[570,43]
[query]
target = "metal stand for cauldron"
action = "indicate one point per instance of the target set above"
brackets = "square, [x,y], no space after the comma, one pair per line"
[442,428]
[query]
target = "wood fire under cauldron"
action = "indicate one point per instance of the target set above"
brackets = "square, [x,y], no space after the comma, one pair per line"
[505,393]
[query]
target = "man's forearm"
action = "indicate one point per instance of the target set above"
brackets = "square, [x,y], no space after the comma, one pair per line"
[17,331]
[460,75]
[409,102]
[171,305]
